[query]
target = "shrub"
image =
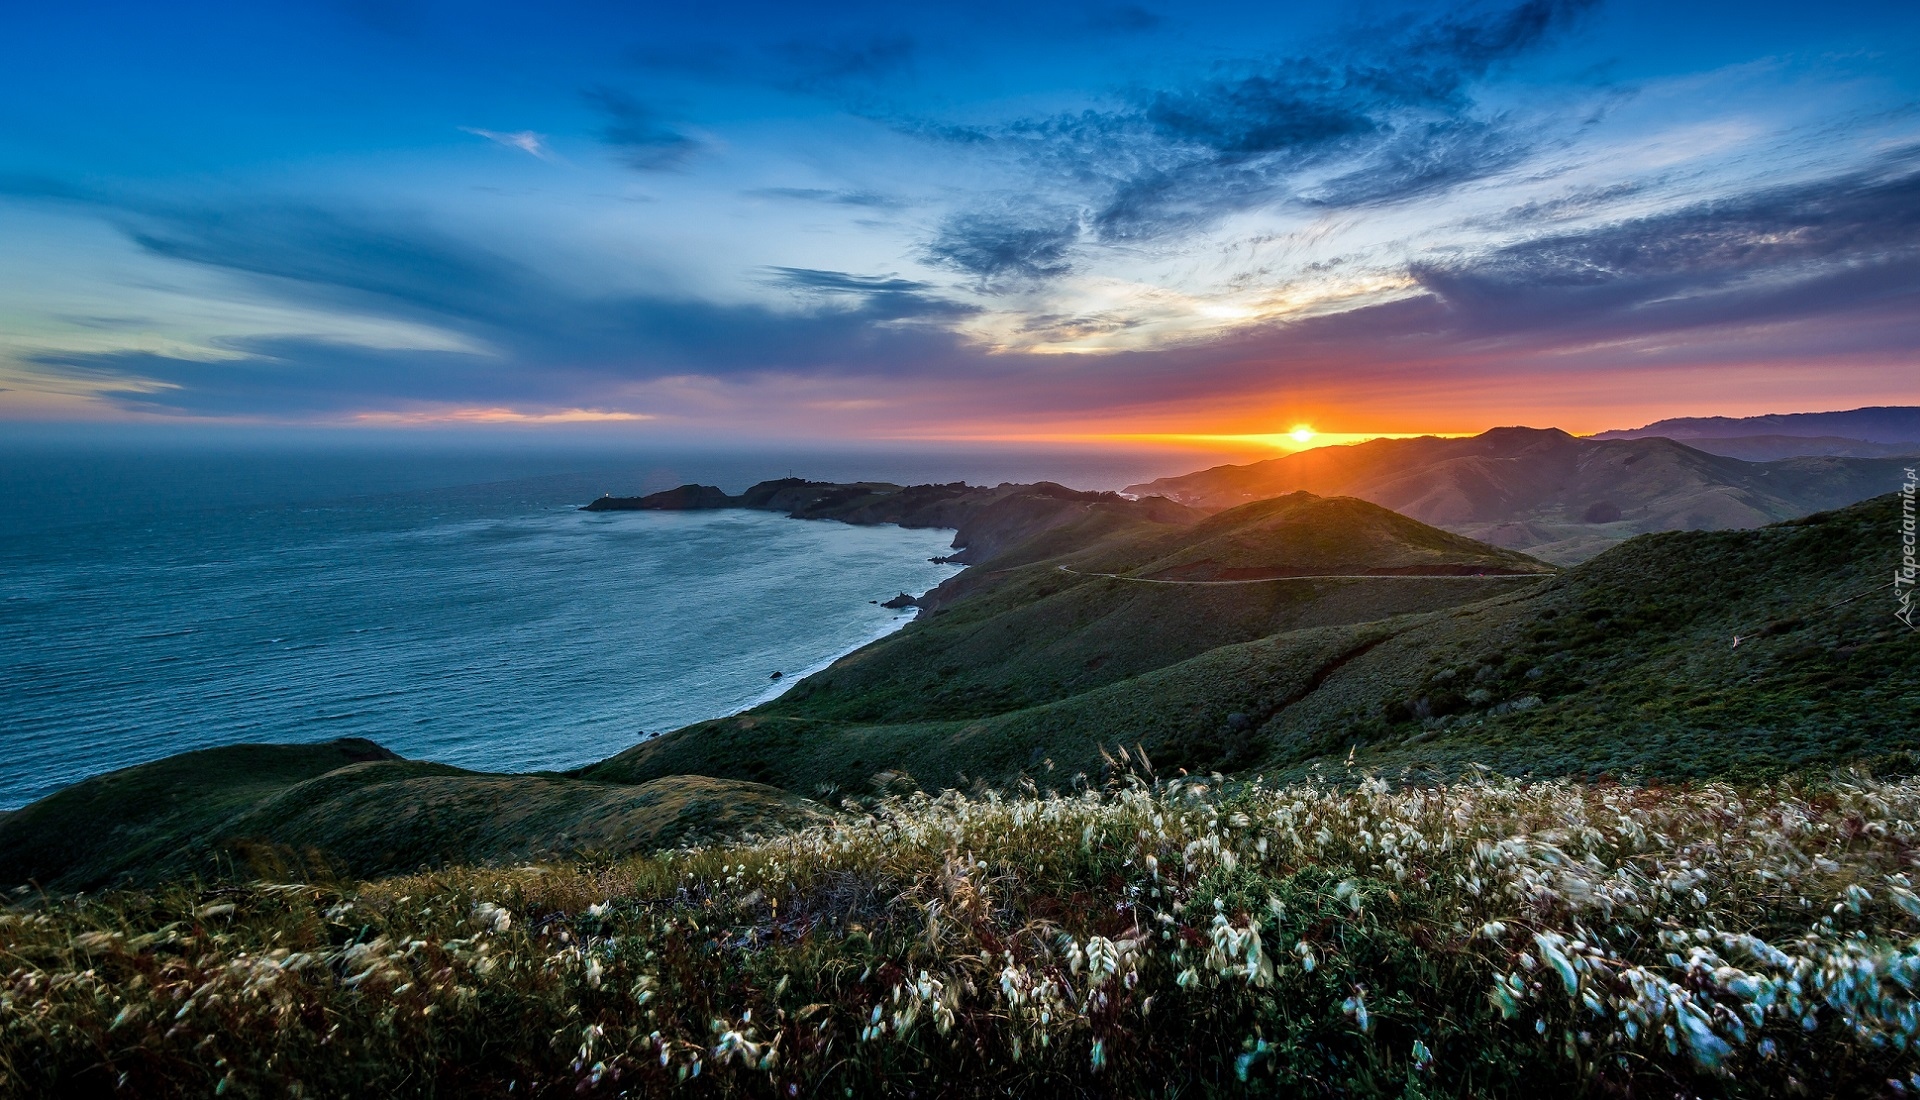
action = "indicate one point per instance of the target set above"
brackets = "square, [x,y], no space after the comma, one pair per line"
[1473,939]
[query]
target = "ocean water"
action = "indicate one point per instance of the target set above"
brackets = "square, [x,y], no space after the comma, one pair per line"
[451,606]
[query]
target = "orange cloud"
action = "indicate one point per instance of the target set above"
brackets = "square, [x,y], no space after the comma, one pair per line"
[496,416]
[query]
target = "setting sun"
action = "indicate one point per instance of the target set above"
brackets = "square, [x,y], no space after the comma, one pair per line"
[1301,434]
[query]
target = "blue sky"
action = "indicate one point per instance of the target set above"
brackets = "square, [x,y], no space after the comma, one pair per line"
[989,220]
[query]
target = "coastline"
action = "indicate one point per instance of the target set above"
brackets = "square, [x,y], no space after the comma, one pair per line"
[780,687]
[462,637]
[894,624]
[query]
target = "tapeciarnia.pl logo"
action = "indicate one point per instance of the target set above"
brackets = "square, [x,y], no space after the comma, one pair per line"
[1903,577]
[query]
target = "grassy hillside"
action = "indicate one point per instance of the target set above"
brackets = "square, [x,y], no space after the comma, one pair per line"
[137,817]
[1099,915]
[1546,492]
[1629,662]
[1301,534]
[1037,626]
[1622,664]
[350,808]
[1152,939]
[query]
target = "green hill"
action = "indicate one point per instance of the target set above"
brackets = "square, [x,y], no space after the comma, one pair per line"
[993,678]
[1301,534]
[1096,624]
[1623,663]
[351,808]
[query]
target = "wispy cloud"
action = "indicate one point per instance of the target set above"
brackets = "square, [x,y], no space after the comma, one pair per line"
[498,416]
[1778,275]
[881,297]
[645,139]
[850,67]
[1848,242]
[527,141]
[835,197]
[1385,115]
[1000,247]
[1124,19]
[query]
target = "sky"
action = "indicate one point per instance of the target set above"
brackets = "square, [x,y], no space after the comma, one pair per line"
[980,221]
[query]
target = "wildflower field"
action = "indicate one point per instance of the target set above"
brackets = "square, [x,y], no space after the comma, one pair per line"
[1488,937]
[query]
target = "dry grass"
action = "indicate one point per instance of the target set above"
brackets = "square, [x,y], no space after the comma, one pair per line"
[1484,938]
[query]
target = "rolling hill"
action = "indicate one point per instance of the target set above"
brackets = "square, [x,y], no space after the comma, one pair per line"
[351,808]
[1545,492]
[1624,664]
[1281,637]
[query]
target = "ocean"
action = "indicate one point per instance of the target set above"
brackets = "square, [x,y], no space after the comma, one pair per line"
[453,605]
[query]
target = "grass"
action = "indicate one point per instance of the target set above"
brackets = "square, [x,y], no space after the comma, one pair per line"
[349,808]
[141,816]
[1622,665]
[1186,938]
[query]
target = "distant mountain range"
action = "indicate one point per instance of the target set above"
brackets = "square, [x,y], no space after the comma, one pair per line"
[1856,433]
[1772,448]
[1876,424]
[1545,492]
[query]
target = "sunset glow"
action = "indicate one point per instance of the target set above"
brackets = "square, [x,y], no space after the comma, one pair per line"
[947,222]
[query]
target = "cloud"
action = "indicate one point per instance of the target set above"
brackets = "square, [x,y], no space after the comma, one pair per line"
[1003,247]
[1783,277]
[545,345]
[1849,241]
[705,60]
[646,142]
[336,257]
[872,199]
[1124,19]
[498,415]
[850,67]
[1383,116]
[527,141]
[1576,203]
[883,297]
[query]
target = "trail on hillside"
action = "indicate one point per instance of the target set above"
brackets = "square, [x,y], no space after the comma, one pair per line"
[1323,577]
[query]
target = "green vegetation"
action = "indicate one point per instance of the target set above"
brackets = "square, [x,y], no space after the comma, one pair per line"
[1153,938]
[138,817]
[1694,916]
[351,808]
[1301,535]
[1624,665]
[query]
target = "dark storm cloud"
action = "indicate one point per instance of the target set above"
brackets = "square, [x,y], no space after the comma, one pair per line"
[995,248]
[646,141]
[1385,116]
